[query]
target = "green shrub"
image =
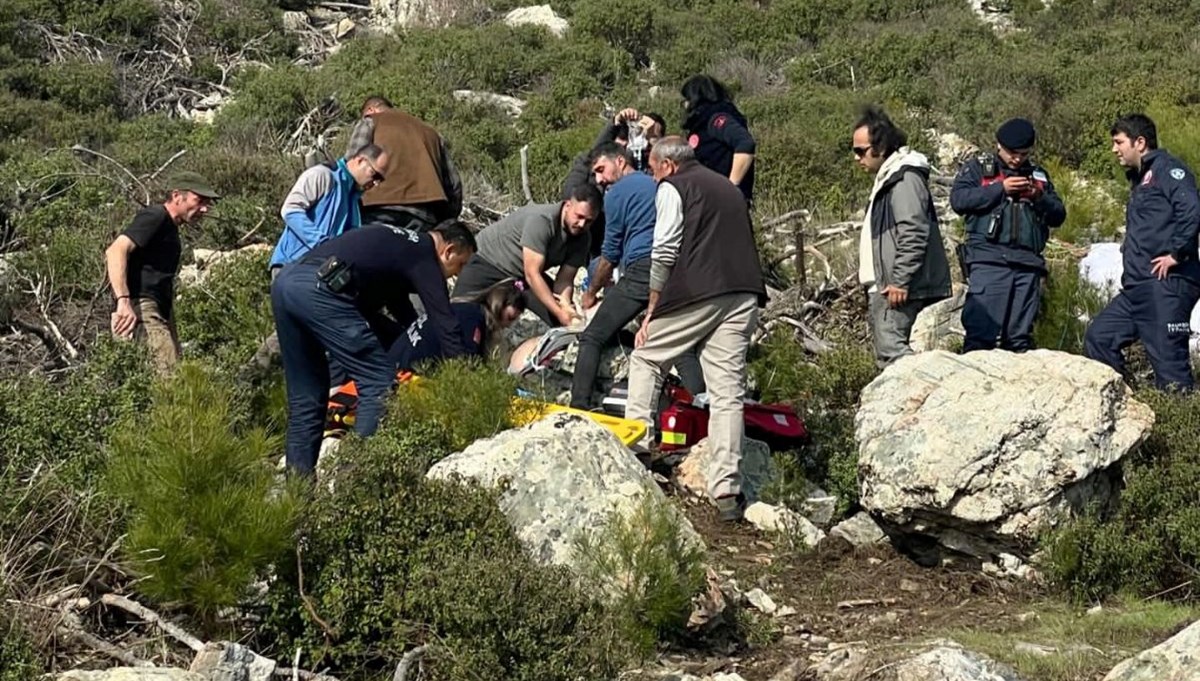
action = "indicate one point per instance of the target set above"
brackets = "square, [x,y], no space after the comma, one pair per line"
[1151,540]
[825,391]
[18,659]
[649,570]
[1093,215]
[462,399]
[631,25]
[392,560]
[227,315]
[206,516]
[1068,302]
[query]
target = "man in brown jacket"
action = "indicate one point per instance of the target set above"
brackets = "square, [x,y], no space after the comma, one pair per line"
[422,186]
[706,287]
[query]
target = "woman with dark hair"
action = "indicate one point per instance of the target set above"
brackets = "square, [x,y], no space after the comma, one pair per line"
[480,317]
[717,131]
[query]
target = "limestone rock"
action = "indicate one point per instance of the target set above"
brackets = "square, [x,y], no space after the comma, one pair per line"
[761,601]
[132,674]
[995,13]
[939,326]
[537,15]
[510,105]
[859,530]
[756,467]
[387,15]
[980,451]
[206,259]
[952,663]
[844,664]
[1177,659]
[819,506]
[225,661]
[950,150]
[565,475]
[771,518]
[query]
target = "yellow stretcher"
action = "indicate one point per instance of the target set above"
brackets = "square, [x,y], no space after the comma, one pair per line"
[524,412]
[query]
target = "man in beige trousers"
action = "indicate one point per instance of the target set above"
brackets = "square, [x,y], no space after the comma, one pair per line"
[706,287]
[143,261]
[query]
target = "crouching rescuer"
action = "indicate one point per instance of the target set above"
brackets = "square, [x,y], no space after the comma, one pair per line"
[332,301]
[1009,205]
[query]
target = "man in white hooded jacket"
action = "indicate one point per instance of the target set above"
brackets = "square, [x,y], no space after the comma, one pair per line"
[902,263]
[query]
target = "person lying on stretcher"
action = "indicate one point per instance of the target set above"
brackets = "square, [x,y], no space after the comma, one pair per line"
[480,318]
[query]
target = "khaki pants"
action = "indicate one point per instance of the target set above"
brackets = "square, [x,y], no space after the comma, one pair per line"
[720,330]
[158,333]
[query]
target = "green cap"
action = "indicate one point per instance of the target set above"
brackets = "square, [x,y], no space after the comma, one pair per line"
[193,182]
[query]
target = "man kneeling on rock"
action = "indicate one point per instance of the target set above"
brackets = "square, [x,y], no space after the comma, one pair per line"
[332,300]
[706,287]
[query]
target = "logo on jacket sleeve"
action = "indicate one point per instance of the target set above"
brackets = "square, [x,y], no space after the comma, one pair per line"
[720,121]
[1178,173]
[693,141]
[1148,178]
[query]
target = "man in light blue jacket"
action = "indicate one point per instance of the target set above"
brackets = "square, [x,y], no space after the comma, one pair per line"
[324,203]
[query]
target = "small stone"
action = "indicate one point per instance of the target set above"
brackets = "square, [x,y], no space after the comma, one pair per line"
[1027,616]
[771,518]
[889,617]
[1095,610]
[761,601]
[874,561]
[909,586]
[819,641]
[785,611]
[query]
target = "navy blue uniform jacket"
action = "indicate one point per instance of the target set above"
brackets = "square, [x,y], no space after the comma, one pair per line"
[1162,218]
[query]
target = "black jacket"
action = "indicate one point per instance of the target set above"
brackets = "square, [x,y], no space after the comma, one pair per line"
[717,131]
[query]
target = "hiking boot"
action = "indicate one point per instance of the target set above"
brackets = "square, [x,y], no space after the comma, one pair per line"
[731,508]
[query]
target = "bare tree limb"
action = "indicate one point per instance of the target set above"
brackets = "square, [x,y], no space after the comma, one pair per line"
[525,174]
[79,148]
[154,176]
[410,658]
[154,618]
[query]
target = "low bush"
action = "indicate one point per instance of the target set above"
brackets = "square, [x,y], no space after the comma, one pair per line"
[463,400]
[649,570]
[1068,303]
[206,515]
[18,659]
[1150,541]
[824,390]
[393,560]
[226,316]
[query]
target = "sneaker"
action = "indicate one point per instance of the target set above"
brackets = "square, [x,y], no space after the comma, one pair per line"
[731,508]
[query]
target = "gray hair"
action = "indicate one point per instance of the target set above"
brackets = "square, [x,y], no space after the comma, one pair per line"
[371,152]
[673,148]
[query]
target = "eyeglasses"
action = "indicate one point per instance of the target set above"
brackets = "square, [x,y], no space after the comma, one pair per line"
[376,176]
[860,151]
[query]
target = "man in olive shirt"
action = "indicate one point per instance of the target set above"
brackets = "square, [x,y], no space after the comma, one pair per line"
[142,263]
[531,240]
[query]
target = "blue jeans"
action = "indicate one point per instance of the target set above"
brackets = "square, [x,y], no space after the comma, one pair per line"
[311,321]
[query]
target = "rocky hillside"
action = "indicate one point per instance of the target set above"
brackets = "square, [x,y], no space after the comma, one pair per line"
[991,517]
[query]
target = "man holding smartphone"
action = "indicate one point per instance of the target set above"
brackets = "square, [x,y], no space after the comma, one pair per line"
[1009,205]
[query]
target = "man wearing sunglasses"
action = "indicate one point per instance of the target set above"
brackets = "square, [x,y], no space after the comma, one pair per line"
[324,203]
[902,263]
[1009,205]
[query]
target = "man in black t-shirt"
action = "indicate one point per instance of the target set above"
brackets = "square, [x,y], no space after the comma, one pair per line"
[143,261]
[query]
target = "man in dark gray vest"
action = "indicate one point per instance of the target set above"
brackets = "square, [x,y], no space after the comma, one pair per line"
[706,287]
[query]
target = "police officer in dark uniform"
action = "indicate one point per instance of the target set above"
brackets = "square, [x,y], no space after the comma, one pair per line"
[1009,205]
[1160,282]
[716,129]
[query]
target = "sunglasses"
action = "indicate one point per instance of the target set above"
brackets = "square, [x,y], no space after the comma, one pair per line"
[860,151]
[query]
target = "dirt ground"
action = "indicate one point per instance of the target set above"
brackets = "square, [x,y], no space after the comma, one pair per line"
[841,595]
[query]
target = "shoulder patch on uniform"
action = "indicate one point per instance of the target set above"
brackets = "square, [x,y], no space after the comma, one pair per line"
[1148,177]
[693,141]
[478,335]
[1178,173]
[719,121]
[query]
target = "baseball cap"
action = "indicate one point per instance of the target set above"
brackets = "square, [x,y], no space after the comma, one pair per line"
[193,182]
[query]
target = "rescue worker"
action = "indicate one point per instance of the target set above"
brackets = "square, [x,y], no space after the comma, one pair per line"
[706,287]
[902,264]
[142,263]
[331,301]
[480,319]
[716,129]
[421,186]
[528,242]
[1160,281]
[1009,205]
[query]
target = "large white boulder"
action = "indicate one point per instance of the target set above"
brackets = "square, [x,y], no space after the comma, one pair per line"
[981,450]
[537,15]
[1176,659]
[953,663]
[561,477]
[939,326]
